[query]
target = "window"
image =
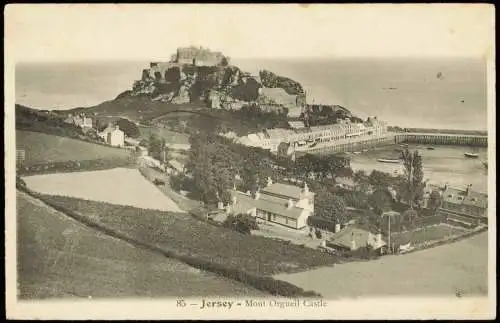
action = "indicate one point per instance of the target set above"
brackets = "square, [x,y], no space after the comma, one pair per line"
[274,217]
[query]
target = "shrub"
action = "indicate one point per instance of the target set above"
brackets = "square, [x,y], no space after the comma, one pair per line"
[158,181]
[243,223]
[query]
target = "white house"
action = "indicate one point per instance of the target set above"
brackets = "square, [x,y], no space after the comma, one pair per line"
[113,136]
[283,204]
[116,138]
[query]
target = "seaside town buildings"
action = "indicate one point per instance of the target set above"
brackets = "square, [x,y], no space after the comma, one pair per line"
[284,204]
[303,138]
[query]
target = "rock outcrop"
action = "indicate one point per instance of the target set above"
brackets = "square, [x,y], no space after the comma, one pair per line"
[209,78]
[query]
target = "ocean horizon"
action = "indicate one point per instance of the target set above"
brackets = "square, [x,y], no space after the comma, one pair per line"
[424,93]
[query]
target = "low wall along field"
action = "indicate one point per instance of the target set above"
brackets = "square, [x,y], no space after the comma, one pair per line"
[59,257]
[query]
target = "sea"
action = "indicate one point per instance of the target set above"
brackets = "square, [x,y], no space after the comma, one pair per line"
[418,93]
[426,93]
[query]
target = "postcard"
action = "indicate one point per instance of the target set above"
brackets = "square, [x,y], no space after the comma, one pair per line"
[250,161]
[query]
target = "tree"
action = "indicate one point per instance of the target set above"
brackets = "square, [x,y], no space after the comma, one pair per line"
[380,179]
[380,200]
[243,223]
[414,186]
[434,200]
[129,128]
[409,216]
[330,206]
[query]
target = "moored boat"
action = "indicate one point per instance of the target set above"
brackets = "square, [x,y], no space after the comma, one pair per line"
[430,148]
[389,160]
[471,155]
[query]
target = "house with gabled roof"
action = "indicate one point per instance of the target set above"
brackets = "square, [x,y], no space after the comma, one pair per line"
[283,204]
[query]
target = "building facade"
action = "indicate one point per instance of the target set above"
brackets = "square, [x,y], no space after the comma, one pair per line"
[464,202]
[278,203]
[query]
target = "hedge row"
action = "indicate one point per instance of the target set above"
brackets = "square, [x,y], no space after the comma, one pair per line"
[263,283]
[73,165]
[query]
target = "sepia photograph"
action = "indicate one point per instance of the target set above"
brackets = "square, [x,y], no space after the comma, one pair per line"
[250,161]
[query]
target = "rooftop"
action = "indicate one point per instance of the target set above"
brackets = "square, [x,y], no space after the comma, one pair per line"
[361,236]
[269,204]
[286,190]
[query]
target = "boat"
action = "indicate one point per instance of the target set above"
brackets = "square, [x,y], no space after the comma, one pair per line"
[430,148]
[398,150]
[356,152]
[365,150]
[389,160]
[471,155]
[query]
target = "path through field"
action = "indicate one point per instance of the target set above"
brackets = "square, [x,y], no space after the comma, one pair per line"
[460,267]
[121,186]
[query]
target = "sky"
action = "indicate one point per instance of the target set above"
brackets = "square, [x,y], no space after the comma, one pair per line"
[82,32]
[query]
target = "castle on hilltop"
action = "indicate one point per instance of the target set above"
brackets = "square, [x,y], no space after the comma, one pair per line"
[198,56]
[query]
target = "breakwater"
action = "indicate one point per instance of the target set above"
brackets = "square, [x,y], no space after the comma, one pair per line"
[367,142]
[442,139]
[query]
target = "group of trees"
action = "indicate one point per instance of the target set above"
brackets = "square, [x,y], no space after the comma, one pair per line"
[157,147]
[321,167]
[317,115]
[214,163]
[330,206]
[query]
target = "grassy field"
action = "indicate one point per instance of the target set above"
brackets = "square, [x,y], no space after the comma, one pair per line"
[169,136]
[43,148]
[460,267]
[191,237]
[58,257]
[122,186]
[427,234]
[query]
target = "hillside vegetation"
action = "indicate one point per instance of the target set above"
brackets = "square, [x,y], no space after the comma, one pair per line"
[197,239]
[58,257]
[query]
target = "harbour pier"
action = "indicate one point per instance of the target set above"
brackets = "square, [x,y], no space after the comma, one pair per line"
[366,142]
[441,139]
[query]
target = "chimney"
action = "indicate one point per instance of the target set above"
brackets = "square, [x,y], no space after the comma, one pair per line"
[234,200]
[306,189]
[468,190]
[257,195]
[337,227]
[353,242]
[290,204]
